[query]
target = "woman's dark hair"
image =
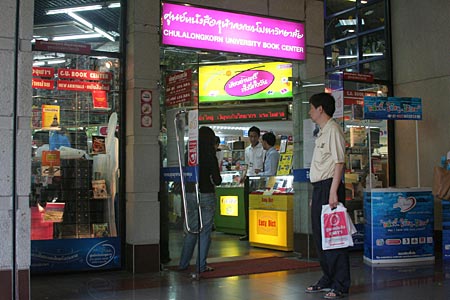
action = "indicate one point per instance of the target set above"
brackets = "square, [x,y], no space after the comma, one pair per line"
[326,101]
[270,138]
[206,141]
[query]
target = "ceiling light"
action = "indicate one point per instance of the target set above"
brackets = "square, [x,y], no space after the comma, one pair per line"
[55,61]
[81,20]
[106,35]
[73,9]
[76,37]
[38,63]
[114,5]
[347,22]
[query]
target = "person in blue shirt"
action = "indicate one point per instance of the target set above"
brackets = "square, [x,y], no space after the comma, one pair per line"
[272,156]
[58,139]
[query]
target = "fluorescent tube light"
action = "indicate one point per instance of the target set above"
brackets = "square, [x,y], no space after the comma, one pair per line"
[73,9]
[81,20]
[106,35]
[55,61]
[76,37]
[114,5]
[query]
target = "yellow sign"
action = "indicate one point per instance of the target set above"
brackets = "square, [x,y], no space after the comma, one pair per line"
[284,164]
[50,116]
[245,81]
[271,229]
[267,222]
[229,206]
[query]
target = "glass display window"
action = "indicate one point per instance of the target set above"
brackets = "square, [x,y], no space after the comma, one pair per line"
[75,121]
[372,16]
[341,54]
[341,26]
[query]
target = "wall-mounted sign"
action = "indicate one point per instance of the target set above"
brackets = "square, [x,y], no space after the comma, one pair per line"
[392,108]
[179,88]
[245,82]
[65,47]
[350,76]
[45,84]
[81,86]
[43,72]
[245,114]
[201,28]
[83,74]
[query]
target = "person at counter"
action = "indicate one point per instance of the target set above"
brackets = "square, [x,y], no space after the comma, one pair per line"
[254,159]
[271,157]
[327,168]
[254,153]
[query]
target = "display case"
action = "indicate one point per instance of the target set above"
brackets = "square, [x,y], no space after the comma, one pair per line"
[231,197]
[271,201]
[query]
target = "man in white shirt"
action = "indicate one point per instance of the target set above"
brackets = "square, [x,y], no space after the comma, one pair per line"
[254,159]
[254,153]
[326,172]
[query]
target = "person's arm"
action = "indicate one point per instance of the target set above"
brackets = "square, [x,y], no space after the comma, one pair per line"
[333,200]
[215,172]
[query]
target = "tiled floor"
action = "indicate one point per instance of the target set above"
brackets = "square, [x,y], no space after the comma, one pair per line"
[412,282]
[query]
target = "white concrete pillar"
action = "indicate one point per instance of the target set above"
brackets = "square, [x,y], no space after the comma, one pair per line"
[15,133]
[142,148]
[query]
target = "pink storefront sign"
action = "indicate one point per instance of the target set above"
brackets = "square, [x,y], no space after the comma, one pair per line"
[201,28]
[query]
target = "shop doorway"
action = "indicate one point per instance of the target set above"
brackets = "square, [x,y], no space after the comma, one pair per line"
[184,88]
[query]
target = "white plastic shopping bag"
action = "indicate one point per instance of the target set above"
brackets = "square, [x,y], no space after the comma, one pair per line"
[337,228]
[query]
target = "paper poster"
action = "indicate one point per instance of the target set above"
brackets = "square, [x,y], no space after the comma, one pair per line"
[99,99]
[50,116]
[51,163]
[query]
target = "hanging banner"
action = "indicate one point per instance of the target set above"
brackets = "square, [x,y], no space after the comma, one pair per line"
[392,108]
[200,28]
[179,88]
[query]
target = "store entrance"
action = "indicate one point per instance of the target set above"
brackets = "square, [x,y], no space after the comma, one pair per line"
[200,76]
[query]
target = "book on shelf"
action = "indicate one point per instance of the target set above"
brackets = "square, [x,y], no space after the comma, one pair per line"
[100,230]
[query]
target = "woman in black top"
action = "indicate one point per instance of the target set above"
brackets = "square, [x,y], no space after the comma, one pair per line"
[209,177]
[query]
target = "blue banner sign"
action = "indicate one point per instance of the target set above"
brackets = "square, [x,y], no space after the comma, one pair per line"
[301,175]
[75,254]
[173,174]
[392,108]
